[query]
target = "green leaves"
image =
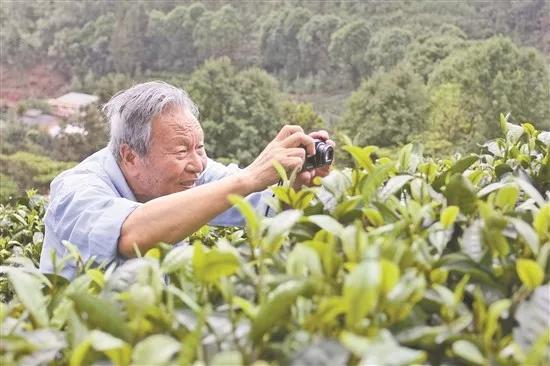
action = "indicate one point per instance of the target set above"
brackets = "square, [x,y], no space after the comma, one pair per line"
[211,265]
[252,222]
[29,291]
[277,307]
[102,314]
[361,290]
[327,223]
[302,261]
[542,223]
[157,349]
[381,350]
[362,156]
[468,351]
[530,273]
[459,192]
[448,216]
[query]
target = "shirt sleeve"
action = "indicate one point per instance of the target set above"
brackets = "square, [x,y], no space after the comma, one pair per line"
[232,217]
[89,217]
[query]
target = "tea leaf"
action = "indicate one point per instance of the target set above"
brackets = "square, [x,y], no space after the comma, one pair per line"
[327,223]
[157,349]
[530,273]
[459,192]
[102,314]
[246,209]
[362,156]
[303,260]
[394,185]
[528,234]
[468,351]
[29,291]
[361,290]
[210,266]
[276,307]
[390,275]
[448,216]
[542,223]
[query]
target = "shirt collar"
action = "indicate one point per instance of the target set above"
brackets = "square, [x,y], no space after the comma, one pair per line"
[117,178]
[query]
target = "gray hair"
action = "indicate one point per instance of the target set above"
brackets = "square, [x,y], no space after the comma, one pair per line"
[131,111]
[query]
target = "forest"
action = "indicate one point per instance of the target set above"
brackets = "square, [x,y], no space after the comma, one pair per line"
[429,242]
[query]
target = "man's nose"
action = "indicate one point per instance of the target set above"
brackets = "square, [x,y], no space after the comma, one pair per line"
[195,165]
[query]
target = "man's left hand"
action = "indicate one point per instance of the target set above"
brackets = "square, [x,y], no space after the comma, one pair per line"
[305,178]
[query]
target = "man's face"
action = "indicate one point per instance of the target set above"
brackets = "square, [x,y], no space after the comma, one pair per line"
[176,156]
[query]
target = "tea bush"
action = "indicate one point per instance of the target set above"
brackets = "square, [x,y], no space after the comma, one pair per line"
[397,261]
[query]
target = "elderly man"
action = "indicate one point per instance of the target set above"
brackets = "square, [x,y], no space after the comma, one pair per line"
[154,182]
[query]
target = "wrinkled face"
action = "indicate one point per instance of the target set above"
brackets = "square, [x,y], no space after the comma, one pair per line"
[176,155]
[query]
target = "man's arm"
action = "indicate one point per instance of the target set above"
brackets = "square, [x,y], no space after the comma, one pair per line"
[172,218]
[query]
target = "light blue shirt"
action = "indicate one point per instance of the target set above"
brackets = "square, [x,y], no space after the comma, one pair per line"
[90,202]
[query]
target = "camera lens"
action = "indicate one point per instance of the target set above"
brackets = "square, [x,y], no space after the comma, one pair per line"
[325,153]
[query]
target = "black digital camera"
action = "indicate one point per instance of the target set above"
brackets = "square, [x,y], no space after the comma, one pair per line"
[324,154]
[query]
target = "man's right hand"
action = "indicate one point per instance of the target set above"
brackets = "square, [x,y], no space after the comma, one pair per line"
[289,148]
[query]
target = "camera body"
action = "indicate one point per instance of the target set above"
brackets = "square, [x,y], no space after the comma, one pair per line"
[324,155]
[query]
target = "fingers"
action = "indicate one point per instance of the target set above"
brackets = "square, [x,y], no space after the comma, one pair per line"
[300,139]
[296,151]
[320,135]
[323,171]
[293,158]
[293,162]
[288,130]
[303,179]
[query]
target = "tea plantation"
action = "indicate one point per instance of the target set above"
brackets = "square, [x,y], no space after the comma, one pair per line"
[400,260]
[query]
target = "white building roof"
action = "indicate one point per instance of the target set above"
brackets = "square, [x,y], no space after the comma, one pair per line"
[75,98]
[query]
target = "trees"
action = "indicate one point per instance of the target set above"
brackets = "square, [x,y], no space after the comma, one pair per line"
[279,43]
[30,171]
[239,111]
[314,42]
[448,129]
[427,52]
[128,41]
[387,48]
[388,109]
[302,114]
[348,46]
[218,33]
[497,77]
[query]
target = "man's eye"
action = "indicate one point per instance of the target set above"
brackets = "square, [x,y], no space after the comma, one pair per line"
[182,151]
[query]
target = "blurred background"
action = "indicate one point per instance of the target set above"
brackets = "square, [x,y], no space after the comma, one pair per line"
[384,73]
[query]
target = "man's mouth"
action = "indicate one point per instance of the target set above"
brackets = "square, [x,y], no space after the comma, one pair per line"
[188,184]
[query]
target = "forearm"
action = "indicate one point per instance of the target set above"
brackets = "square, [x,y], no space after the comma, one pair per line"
[172,218]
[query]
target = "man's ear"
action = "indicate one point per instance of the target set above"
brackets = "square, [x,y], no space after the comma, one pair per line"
[128,157]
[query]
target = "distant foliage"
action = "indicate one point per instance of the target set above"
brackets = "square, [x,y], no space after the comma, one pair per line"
[427,51]
[347,48]
[28,171]
[314,41]
[239,111]
[497,75]
[279,41]
[448,128]
[302,114]
[388,109]
[387,48]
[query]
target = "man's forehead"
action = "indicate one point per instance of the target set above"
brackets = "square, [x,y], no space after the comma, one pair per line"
[178,121]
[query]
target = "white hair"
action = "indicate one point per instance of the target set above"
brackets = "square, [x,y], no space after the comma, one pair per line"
[131,111]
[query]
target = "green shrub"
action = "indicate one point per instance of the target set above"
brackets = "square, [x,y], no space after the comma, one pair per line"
[398,261]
